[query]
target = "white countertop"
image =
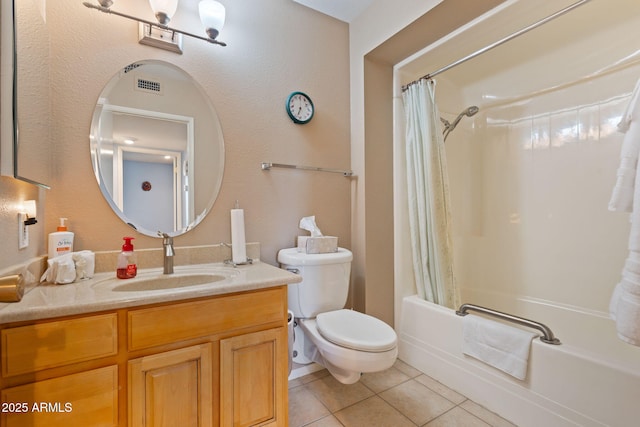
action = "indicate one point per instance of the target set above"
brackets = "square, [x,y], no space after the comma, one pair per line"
[99,293]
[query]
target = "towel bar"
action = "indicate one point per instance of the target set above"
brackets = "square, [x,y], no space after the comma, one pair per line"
[547,334]
[268,165]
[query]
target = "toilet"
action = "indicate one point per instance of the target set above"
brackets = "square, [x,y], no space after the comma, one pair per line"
[346,342]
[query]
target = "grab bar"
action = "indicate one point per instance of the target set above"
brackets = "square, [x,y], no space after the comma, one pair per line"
[547,334]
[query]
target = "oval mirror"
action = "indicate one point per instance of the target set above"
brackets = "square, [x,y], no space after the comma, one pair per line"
[157,148]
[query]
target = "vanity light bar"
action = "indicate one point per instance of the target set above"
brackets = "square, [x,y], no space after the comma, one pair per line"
[154,27]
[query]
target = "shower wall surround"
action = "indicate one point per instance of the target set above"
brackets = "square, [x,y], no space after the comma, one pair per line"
[531,177]
[532,173]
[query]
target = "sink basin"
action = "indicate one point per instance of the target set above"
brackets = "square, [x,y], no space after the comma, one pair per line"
[168,282]
[159,281]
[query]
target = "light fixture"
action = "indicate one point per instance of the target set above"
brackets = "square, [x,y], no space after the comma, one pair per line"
[164,9]
[29,210]
[158,34]
[26,216]
[212,15]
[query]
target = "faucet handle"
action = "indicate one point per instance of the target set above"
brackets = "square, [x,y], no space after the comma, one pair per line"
[167,242]
[166,239]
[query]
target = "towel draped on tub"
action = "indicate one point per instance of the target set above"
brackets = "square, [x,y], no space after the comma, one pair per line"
[502,346]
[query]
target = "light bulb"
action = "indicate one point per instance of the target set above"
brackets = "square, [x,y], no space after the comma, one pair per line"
[29,207]
[164,9]
[212,15]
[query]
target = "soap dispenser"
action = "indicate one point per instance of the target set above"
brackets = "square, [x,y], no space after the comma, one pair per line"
[61,241]
[127,268]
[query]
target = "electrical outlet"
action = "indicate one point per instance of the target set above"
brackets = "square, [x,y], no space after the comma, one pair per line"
[23,231]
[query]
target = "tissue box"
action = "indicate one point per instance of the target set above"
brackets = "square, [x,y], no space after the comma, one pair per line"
[317,245]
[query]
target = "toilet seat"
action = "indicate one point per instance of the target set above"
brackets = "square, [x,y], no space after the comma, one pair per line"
[355,330]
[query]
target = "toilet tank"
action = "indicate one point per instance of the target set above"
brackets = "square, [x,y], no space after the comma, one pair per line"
[325,280]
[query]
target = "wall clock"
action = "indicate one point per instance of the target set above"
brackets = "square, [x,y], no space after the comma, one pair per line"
[300,108]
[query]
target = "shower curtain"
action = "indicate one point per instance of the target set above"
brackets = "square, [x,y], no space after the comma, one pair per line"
[428,194]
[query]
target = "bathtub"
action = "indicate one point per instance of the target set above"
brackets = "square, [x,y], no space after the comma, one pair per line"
[566,385]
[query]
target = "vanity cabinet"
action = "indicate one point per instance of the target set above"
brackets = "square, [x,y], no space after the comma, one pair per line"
[40,386]
[215,361]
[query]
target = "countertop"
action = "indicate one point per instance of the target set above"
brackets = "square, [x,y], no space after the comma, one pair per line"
[99,293]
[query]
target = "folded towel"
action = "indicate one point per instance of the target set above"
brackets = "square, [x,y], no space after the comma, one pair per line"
[69,268]
[85,262]
[501,346]
[61,270]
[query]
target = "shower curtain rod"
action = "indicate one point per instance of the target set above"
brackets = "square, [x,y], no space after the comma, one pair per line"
[499,42]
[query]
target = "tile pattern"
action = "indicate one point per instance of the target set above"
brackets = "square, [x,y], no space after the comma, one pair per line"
[398,397]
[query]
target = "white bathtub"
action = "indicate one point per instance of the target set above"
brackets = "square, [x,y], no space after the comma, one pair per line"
[566,385]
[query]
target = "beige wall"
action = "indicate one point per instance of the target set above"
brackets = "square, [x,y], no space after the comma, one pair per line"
[248,82]
[13,193]
[274,48]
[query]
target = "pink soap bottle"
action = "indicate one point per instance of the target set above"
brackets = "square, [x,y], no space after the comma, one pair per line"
[127,268]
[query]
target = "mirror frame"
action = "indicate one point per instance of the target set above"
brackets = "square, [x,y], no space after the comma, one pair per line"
[9,138]
[97,165]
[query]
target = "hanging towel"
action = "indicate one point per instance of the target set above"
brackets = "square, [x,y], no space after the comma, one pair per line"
[496,344]
[623,192]
[625,301]
[624,306]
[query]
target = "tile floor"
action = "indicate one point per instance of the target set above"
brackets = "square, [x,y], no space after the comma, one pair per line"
[400,396]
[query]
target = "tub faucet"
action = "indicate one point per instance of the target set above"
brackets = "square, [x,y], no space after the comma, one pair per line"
[168,252]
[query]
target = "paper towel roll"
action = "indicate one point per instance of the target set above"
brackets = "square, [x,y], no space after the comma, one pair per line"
[11,288]
[238,243]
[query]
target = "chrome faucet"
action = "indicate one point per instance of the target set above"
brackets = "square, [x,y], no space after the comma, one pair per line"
[168,252]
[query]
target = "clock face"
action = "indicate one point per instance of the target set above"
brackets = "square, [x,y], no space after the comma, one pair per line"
[300,108]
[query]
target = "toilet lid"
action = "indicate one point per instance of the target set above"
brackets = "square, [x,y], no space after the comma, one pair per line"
[355,330]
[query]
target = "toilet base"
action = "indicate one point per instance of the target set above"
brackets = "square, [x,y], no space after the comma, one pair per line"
[301,346]
[353,363]
[308,353]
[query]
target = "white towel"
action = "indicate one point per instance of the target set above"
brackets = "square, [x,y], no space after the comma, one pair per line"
[623,192]
[61,270]
[625,301]
[496,344]
[69,268]
[85,262]
[624,306]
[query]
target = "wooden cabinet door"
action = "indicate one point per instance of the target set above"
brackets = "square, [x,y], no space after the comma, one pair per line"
[84,399]
[253,388]
[172,388]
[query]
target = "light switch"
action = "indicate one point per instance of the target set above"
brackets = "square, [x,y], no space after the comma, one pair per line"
[23,231]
